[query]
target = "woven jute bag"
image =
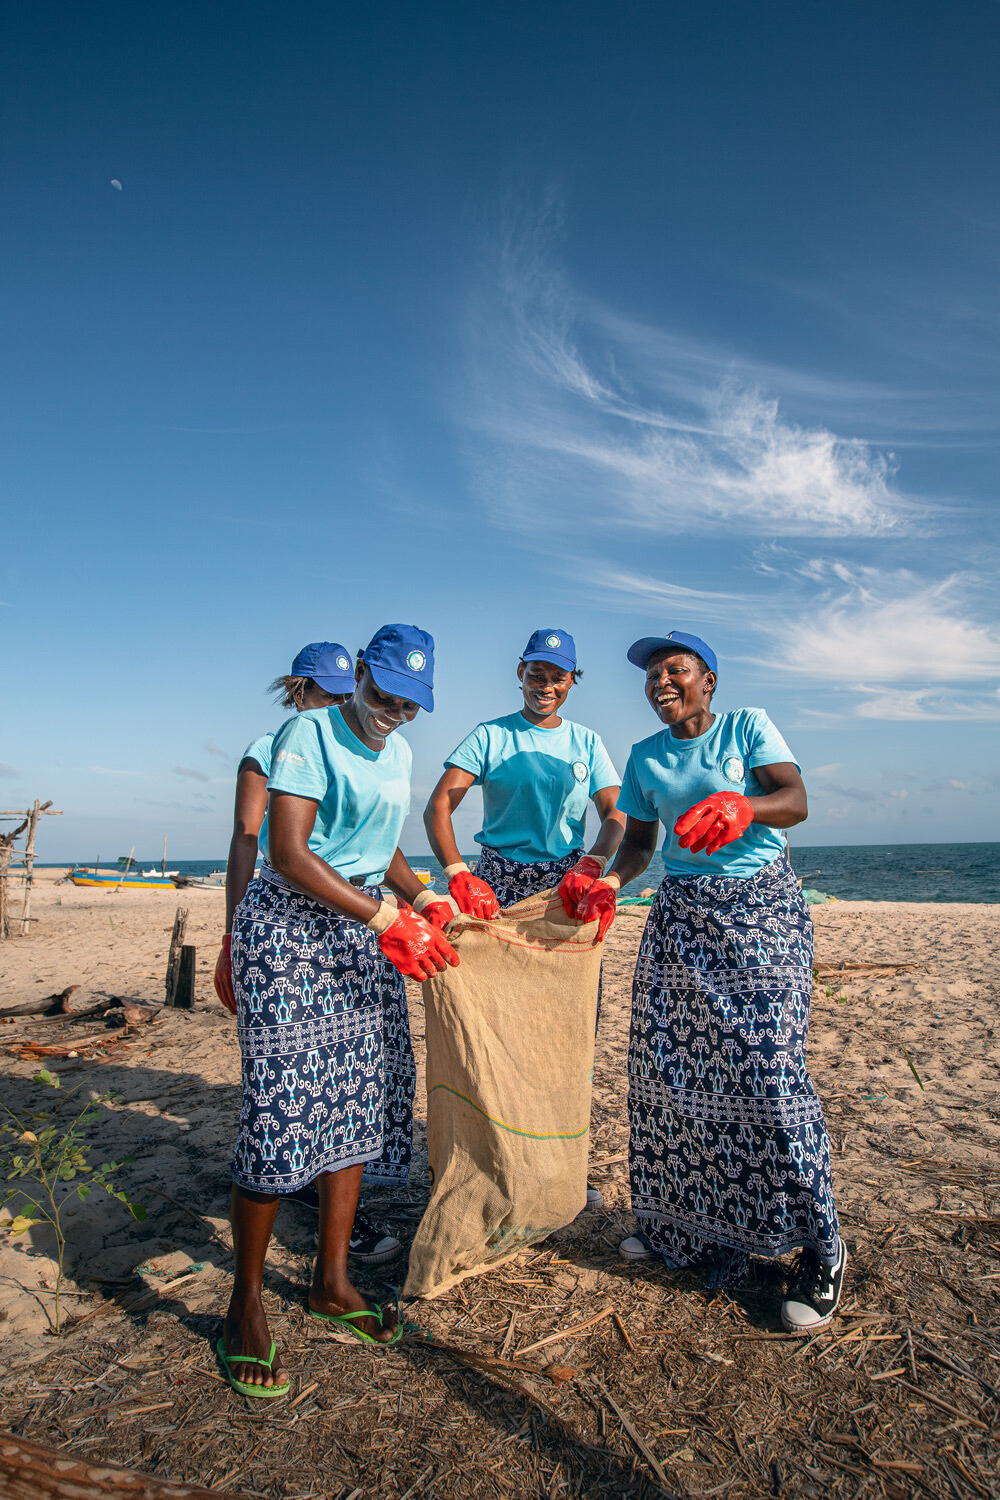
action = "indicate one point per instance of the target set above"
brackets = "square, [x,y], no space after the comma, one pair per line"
[510,1059]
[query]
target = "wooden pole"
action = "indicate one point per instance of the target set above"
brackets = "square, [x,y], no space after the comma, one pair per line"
[163,861]
[184,993]
[174,953]
[125,871]
[29,864]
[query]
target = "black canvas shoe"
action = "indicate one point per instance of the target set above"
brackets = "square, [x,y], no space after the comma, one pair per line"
[595,1198]
[371,1242]
[813,1294]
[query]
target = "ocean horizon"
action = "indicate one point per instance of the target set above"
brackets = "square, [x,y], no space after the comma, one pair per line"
[851,872]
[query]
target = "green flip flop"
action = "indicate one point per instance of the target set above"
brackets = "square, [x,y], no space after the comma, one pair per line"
[347,1322]
[243,1387]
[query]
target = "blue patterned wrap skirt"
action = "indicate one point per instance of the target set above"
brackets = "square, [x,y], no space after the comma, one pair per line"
[328,1070]
[728,1151]
[515,881]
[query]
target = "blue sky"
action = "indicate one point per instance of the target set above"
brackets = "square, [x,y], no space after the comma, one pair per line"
[489,318]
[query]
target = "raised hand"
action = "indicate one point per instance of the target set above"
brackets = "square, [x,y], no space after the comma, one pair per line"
[713,823]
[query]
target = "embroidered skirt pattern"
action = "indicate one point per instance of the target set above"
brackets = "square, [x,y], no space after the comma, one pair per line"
[328,1070]
[728,1152]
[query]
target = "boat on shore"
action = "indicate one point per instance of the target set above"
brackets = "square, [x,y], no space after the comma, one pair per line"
[111,880]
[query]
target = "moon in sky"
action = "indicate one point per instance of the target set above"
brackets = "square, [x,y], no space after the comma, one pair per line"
[116,184]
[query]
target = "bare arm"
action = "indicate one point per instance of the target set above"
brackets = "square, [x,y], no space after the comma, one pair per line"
[401,880]
[635,850]
[784,802]
[612,822]
[290,821]
[251,805]
[439,812]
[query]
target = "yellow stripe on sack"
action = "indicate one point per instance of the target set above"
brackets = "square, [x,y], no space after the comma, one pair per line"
[535,1135]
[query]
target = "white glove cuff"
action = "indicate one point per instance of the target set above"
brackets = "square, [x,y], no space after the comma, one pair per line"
[450,870]
[425,897]
[602,859]
[615,881]
[383,919]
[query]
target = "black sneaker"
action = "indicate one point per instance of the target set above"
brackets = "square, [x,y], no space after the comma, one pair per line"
[813,1294]
[371,1242]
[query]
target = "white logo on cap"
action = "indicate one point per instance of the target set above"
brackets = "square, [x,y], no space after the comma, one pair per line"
[552,640]
[416,661]
[343,663]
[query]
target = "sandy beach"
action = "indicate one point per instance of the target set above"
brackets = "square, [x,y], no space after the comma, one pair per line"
[671,1391]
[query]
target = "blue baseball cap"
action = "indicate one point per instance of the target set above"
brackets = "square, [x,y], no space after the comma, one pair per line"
[401,660]
[677,640]
[554,646]
[328,664]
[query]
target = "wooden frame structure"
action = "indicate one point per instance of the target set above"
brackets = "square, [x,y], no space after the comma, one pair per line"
[9,860]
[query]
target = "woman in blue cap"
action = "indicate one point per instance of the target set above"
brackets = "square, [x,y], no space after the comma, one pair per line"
[728,1154]
[538,772]
[322,676]
[319,954]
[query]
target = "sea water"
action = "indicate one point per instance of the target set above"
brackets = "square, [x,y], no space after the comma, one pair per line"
[852,872]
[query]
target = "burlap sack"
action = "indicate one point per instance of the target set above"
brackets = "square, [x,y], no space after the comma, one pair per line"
[510,1057]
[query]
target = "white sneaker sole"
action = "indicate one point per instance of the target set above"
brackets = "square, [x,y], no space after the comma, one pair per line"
[376,1257]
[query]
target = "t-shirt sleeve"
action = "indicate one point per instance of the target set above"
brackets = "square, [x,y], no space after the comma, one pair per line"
[297,761]
[602,771]
[472,754]
[260,752]
[765,746]
[631,799]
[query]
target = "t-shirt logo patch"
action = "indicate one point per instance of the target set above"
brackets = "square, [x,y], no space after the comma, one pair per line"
[733,768]
[416,661]
[299,760]
[343,663]
[552,640]
[580,770]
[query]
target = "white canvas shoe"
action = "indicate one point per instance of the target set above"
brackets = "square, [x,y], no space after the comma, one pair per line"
[634,1248]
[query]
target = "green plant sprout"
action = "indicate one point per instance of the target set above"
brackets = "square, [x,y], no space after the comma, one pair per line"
[48,1158]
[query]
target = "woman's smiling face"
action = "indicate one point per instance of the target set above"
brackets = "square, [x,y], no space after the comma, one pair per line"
[678,686]
[379,714]
[545,686]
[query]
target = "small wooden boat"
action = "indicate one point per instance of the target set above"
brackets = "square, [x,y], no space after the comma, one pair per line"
[110,880]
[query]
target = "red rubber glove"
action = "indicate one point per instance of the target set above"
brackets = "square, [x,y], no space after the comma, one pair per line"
[474,896]
[415,947]
[438,913]
[717,821]
[224,974]
[598,901]
[577,881]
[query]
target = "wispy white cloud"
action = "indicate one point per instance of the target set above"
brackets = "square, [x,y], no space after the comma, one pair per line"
[823,771]
[864,627]
[621,588]
[191,773]
[112,771]
[649,427]
[8,773]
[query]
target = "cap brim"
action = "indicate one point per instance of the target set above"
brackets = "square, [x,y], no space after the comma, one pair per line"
[401,686]
[640,651]
[565,662]
[343,684]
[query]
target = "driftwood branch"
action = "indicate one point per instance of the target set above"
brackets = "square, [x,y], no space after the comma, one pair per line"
[30,1471]
[51,1005]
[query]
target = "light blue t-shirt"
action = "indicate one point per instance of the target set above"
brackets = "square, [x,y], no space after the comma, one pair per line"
[260,751]
[665,776]
[363,795]
[536,784]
